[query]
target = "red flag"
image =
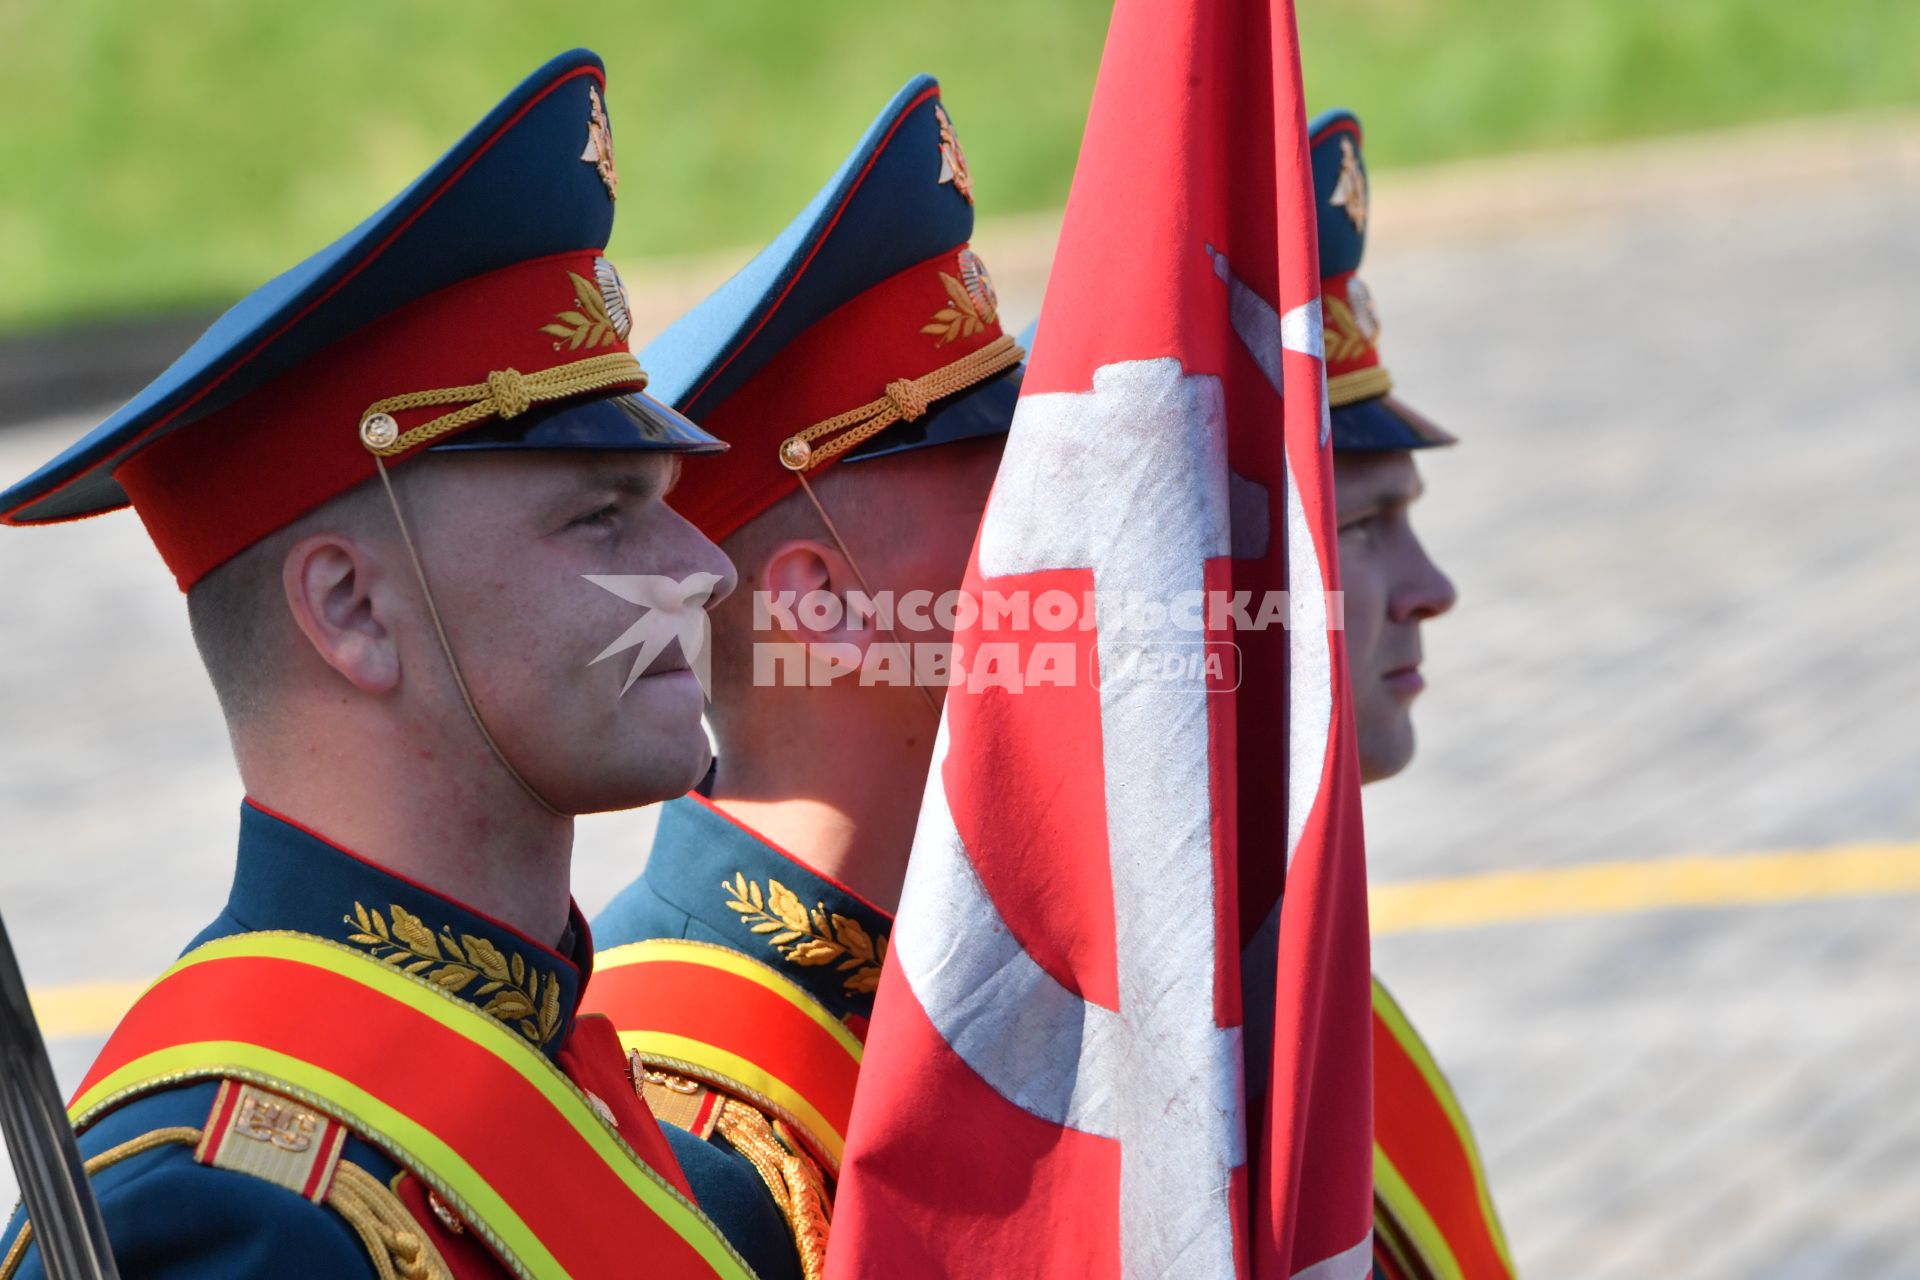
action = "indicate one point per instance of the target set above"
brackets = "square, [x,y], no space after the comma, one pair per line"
[1060,1080]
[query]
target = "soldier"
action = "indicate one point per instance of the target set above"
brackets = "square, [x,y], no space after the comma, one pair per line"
[370,1062]
[859,369]
[1433,1215]
[742,962]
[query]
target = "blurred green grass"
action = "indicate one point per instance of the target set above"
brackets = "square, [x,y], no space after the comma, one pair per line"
[177,152]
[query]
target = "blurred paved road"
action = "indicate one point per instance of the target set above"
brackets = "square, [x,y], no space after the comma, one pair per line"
[1685,526]
[1685,521]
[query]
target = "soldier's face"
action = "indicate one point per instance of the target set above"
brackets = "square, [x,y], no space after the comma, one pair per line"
[509,540]
[1391,586]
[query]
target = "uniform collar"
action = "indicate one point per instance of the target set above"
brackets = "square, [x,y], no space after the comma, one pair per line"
[768,904]
[288,877]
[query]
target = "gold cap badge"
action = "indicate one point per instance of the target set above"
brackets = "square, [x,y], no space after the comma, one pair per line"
[1350,189]
[599,152]
[953,161]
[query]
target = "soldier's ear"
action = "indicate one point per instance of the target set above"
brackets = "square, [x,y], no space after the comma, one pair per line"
[808,584]
[342,604]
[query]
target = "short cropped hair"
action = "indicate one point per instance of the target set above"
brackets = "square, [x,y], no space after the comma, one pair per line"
[239,616]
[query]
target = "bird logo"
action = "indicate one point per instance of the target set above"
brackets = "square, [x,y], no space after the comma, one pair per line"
[675,610]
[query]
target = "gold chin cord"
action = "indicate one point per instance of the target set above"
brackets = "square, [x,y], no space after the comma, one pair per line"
[446,646]
[833,531]
[906,400]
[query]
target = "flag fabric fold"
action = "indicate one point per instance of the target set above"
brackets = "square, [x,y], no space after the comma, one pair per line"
[1106,1042]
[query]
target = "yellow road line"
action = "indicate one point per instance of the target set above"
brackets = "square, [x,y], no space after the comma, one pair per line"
[1463,902]
[1618,888]
[83,1008]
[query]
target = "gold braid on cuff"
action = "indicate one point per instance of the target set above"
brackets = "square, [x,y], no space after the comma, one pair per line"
[905,400]
[507,393]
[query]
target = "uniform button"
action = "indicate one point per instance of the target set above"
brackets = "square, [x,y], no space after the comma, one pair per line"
[379,430]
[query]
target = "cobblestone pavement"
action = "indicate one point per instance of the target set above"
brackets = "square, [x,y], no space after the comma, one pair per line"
[1685,527]
[1685,523]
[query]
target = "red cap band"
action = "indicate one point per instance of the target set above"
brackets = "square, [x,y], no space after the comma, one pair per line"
[211,490]
[905,327]
[1352,332]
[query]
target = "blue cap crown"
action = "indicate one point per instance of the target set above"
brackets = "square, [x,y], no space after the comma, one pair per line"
[465,278]
[868,326]
[1365,416]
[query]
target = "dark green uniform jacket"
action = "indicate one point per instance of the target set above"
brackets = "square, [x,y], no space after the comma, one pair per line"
[171,1218]
[711,880]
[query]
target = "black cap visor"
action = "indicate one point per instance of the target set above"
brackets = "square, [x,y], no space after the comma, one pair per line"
[1381,424]
[629,423]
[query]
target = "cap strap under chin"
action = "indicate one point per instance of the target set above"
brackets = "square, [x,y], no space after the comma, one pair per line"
[446,646]
[833,531]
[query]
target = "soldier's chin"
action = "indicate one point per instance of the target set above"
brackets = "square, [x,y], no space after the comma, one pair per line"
[693,766]
[671,697]
[1385,747]
[670,766]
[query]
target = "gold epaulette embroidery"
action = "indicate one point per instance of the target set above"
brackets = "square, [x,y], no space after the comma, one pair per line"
[277,1139]
[394,1243]
[264,1135]
[675,1099]
[798,1186]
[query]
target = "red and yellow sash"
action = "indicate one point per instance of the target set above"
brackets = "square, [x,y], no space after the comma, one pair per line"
[715,1015]
[479,1115]
[1433,1214]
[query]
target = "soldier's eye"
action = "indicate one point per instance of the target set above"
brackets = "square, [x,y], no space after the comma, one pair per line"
[598,518]
[1366,534]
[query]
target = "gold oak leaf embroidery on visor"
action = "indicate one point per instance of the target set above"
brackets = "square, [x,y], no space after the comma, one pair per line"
[507,986]
[963,317]
[589,326]
[805,938]
[1346,340]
